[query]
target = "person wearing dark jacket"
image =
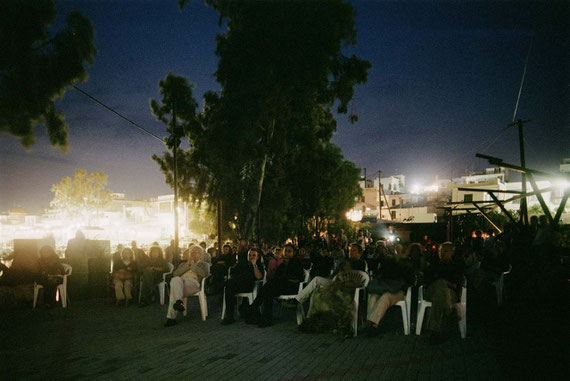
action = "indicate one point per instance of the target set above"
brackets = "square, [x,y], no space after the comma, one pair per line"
[285,282]
[51,274]
[243,277]
[219,269]
[444,280]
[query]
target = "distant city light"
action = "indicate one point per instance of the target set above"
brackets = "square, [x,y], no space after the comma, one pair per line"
[561,183]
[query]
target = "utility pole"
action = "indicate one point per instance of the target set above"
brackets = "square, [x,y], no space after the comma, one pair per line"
[523,208]
[380,194]
[174,142]
[219,227]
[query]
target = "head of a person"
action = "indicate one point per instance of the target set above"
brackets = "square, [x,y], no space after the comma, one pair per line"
[79,235]
[127,254]
[254,245]
[242,244]
[203,245]
[226,249]
[355,251]
[534,220]
[120,248]
[446,251]
[47,252]
[278,252]
[133,244]
[414,252]
[155,252]
[252,255]
[195,254]
[498,247]
[325,252]
[172,242]
[289,251]
[543,221]
[303,252]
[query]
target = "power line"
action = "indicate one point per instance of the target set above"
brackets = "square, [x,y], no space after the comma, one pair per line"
[118,114]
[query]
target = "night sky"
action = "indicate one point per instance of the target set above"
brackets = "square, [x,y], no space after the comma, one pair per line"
[442,87]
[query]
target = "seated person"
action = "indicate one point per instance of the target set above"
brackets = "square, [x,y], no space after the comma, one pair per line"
[285,282]
[444,280]
[187,280]
[51,274]
[243,277]
[304,256]
[323,264]
[387,288]
[274,262]
[152,274]
[25,269]
[124,271]
[346,265]
[494,263]
[220,268]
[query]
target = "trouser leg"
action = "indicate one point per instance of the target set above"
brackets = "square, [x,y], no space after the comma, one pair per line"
[308,290]
[128,287]
[176,293]
[442,299]
[119,295]
[230,290]
[378,305]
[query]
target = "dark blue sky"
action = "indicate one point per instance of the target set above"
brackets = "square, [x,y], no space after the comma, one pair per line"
[443,86]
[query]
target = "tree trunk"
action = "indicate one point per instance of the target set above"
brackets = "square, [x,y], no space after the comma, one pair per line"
[253,208]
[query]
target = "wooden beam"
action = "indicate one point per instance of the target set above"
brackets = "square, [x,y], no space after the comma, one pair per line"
[500,204]
[489,190]
[540,199]
[488,218]
[561,206]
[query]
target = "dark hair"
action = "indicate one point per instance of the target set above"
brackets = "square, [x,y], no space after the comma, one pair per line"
[291,246]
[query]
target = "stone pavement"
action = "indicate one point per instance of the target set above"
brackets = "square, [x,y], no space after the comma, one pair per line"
[94,340]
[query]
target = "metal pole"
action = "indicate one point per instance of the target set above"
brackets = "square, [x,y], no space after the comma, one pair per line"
[219,227]
[175,156]
[523,208]
[380,194]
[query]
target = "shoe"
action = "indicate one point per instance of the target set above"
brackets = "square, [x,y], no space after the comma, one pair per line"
[170,323]
[143,303]
[178,306]
[252,316]
[228,320]
[127,301]
[372,332]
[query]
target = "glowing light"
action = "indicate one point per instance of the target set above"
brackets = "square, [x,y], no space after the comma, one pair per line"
[391,237]
[354,215]
[561,183]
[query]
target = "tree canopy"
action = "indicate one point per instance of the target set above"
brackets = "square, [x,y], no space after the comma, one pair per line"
[36,66]
[82,195]
[265,137]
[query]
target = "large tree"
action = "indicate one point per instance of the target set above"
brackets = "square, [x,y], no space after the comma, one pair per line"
[282,73]
[81,196]
[36,66]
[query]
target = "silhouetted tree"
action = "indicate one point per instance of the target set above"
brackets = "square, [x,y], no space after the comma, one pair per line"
[36,67]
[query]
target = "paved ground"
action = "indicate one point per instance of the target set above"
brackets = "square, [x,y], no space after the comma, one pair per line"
[94,340]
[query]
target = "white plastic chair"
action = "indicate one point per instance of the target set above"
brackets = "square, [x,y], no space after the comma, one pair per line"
[406,305]
[61,288]
[359,277]
[201,298]
[499,284]
[162,285]
[282,298]
[461,308]
[249,295]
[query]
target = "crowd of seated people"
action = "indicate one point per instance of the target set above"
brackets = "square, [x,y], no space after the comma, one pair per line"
[442,270]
